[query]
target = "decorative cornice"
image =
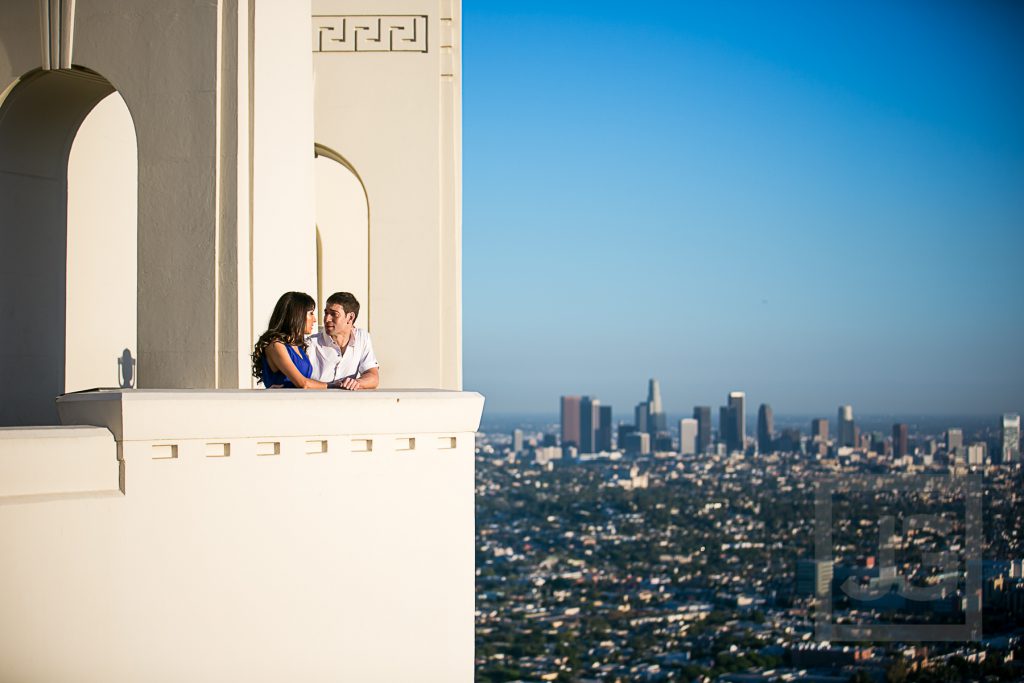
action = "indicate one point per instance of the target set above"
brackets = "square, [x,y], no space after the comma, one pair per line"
[370,33]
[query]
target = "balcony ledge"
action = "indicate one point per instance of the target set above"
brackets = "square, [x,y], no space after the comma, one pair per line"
[166,414]
[217,562]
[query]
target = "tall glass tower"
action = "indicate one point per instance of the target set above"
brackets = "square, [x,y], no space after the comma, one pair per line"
[737,416]
[1011,438]
[655,413]
[702,414]
[765,427]
[570,421]
[590,416]
[846,432]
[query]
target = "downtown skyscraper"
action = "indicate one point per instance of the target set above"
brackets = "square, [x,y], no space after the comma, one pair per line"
[688,430]
[604,430]
[570,418]
[736,416]
[1011,438]
[649,414]
[702,414]
[732,422]
[900,440]
[955,444]
[590,421]
[655,412]
[846,431]
[586,424]
[640,418]
[765,428]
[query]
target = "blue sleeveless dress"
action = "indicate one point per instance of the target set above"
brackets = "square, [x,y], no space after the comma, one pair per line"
[302,364]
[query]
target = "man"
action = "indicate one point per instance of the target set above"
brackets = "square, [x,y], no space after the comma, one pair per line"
[341,354]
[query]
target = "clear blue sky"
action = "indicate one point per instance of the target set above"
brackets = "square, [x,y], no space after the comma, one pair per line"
[815,202]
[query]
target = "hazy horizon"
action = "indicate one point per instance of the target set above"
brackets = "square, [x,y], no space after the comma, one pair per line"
[883,422]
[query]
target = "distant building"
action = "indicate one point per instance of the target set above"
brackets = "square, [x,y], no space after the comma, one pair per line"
[661,442]
[977,453]
[546,454]
[635,480]
[655,412]
[590,418]
[900,440]
[688,431]
[846,431]
[517,440]
[725,436]
[570,421]
[649,414]
[955,444]
[1011,438]
[623,431]
[623,434]
[788,441]
[863,441]
[702,414]
[813,577]
[819,430]
[637,443]
[640,415]
[604,429]
[737,418]
[765,428]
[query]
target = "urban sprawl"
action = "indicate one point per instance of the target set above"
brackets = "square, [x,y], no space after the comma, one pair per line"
[692,552]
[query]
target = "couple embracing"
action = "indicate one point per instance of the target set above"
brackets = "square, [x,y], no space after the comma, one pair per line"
[340,356]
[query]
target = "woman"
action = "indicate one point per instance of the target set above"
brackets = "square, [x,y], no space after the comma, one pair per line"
[279,359]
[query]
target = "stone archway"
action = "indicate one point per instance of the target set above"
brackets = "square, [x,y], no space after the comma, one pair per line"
[68,220]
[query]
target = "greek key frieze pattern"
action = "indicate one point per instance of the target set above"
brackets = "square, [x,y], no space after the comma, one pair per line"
[370,33]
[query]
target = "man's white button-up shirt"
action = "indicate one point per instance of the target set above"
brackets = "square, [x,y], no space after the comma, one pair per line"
[330,363]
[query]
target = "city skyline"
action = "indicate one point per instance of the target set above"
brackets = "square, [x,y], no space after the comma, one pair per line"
[587,426]
[626,410]
[657,560]
[818,204]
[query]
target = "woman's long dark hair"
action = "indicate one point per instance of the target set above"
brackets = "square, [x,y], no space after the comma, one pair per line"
[287,325]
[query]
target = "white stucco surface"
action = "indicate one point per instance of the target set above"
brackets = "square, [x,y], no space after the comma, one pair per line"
[393,115]
[172,534]
[38,122]
[261,536]
[56,461]
[227,101]
[102,247]
[342,221]
[284,226]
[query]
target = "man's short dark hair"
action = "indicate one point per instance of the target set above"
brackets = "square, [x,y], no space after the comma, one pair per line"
[348,303]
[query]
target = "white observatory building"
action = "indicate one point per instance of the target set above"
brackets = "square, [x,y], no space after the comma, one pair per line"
[168,168]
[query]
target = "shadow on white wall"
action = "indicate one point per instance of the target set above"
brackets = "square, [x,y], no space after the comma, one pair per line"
[342,231]
[68,198]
